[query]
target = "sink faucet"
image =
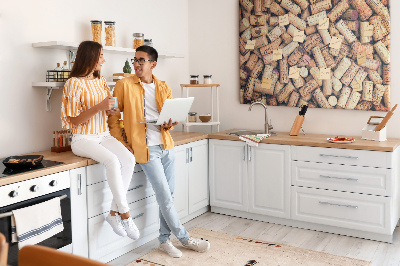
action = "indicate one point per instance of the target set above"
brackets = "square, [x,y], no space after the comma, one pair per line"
[266,125]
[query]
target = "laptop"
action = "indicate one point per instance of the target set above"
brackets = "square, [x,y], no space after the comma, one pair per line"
[177,109]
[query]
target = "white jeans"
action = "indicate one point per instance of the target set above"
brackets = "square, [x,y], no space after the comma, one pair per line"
[118,161]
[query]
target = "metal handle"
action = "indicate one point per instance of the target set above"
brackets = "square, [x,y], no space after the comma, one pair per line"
[338,156]
[244,152]
[191,154]
[341,178]
[187,155]
[249,152]
[139,215]
[340,205]
[138,186]
[79,184]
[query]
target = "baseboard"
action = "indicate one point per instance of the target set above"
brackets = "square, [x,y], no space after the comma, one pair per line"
[195,214]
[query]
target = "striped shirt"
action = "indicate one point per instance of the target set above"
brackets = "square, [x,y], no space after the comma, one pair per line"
[79,95]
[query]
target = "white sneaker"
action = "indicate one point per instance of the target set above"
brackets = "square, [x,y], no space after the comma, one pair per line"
[198,245]
[116,224]
[168,248]
[130,228]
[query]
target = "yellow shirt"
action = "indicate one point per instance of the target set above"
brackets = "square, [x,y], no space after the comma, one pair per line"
[80,94]
[131,101]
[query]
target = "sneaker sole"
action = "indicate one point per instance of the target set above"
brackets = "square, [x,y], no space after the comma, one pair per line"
[171,255]
[208,248]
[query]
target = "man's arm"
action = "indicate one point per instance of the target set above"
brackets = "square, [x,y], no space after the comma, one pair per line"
[168,125]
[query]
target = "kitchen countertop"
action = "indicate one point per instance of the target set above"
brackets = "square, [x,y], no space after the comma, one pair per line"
[314,140]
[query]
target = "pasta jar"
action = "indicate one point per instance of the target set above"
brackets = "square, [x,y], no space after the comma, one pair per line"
[207,79]
[192,117]
[137,40]
[96,30]
[148,42]
[194,79]
[110,33]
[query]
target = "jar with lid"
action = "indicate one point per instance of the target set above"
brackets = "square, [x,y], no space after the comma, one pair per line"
[194,79]
[148,42]
[207,79]
[137,40]
[192,117]
[110,33]
[96,30]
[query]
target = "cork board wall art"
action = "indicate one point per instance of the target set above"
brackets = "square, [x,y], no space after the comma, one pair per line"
[332,54]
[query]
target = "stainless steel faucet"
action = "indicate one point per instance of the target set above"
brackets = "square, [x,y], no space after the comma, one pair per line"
[266,125]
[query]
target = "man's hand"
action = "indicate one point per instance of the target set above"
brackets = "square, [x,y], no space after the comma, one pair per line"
[168,125]
[113,111]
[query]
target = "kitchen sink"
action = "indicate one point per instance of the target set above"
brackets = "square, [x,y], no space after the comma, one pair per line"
[248,132]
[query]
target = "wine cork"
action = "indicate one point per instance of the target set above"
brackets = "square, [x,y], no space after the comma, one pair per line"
[258,31]
[353,25]
[241,95]
[271,47]
[293,99]
[338,10]
[336,84]
[267,4]
[284,70]
[314,71]
[272,101]
[244,24]
[296,56]
[364,11]
[308,88]
[297,22]
[267,73]
[350,14]
[377,94]
[383,52]
[304,61]
[353,100]
[360,77]
[342,67]
[243,59]
[371,64]
[364,105]
[311,41]
[303,4]
[298,83]
[243,74]
[333,51]
[258,7]
[374,76]
[327,86]
[273,21]
[320,99]
[310,30]
[246,5]
[284,94]
[328,58]
[275,33]
[357,48]
[278,87]
[321,6]
[305,14]
[257,69]
[319,59]
[257,96]
[248,93]
[288,49]
[344,96]
[259,88]
[326,37]
[343,52]
[345,31]
[242,46]
[315,18]
[245,14]
[303,72]
[258,20]
[315,1]
[277,9]
[386,74]
[287,38]
[246,35]
[350,74]
[378,7]
[379,30]
[386,40]
[291,30]
[364,28]
[260,42]
[290,6]
[268,58]
[386,96]
[251,63]
[332,29]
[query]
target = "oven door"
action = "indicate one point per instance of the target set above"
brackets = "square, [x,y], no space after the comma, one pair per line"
[61,241]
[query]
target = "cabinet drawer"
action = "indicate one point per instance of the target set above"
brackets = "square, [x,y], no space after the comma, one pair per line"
[105,245]
[368,180]
[97,173]
[342,209]
[99,195]
[342,156]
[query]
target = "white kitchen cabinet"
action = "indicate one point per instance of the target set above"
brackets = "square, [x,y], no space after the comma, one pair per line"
[191,179]
[250,179]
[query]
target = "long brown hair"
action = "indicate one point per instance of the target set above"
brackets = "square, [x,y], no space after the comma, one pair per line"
[86,59]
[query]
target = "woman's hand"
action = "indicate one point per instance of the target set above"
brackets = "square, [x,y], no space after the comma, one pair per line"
[168,125]
[106,104]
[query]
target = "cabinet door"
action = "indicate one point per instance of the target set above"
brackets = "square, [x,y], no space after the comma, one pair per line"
[79,212]
[181,180]
[227,172]
[198,175]
[269,180]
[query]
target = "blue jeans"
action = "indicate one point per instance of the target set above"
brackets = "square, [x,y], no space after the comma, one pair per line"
[160,170]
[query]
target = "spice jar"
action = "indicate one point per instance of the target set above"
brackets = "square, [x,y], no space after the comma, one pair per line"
[96,30]
[137,40]
[194,79]
[110,33]
[192,117]
[207,79]
[148,42]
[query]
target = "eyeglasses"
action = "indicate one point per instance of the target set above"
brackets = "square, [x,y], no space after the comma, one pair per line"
[141,61]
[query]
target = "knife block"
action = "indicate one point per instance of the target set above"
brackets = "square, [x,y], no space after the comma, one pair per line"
[298,122]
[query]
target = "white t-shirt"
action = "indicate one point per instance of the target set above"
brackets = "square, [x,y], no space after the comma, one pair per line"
[153,131]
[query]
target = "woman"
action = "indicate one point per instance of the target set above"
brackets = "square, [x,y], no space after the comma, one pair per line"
[86,104]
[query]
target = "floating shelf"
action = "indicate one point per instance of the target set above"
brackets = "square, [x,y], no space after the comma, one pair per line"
[59,85]
[199,85]
[188,124]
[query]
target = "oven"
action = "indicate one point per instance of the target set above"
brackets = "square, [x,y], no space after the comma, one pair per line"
[33,191]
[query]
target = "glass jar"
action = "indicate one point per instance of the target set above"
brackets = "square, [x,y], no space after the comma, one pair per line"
[137,40]
[192,117]
[96,30]
[110,33]
[207,79]
[148,42]
[194,79]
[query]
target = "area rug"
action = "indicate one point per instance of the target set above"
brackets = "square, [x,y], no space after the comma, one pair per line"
[234,250]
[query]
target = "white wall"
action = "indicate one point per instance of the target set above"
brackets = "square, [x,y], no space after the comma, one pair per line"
[213,49]
[25,124]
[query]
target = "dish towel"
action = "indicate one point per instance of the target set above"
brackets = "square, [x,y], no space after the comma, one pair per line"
[33,224]
[253,140]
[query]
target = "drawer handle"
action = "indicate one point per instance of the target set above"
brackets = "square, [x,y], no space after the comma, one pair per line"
[138,186]
[340,205]
[341,178]
[338,156]
[139,215]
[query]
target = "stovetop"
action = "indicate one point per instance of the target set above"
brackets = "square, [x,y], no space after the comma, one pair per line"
[4,171]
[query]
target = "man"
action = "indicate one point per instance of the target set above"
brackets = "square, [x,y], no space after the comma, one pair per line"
[141,98]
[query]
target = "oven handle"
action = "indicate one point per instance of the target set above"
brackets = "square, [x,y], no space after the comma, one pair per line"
[6,214]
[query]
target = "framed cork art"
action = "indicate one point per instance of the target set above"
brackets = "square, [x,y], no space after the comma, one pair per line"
[332,54]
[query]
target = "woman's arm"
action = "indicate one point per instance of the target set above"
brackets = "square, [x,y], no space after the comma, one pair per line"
[84,116]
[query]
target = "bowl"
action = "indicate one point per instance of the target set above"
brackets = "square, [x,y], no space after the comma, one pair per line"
[205,117]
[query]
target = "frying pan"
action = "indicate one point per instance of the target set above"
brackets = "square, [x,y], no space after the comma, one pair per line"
[23,161]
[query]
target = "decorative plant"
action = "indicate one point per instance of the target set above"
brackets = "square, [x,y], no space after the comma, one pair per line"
[127,68]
